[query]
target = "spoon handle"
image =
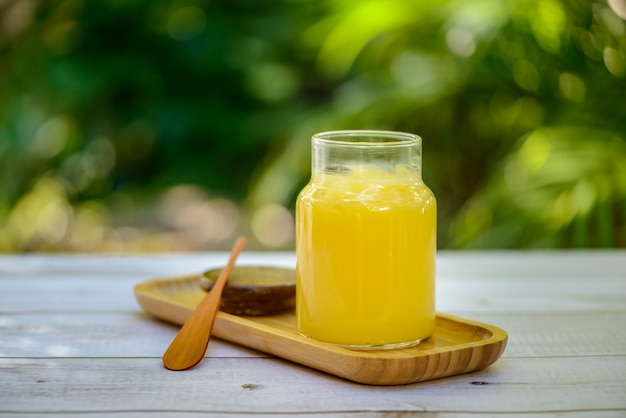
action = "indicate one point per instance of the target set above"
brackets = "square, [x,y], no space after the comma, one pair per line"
[188,347]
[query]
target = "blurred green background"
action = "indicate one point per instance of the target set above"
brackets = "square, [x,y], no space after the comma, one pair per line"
[175,125]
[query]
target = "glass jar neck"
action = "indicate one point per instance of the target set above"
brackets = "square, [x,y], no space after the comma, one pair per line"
[367,155]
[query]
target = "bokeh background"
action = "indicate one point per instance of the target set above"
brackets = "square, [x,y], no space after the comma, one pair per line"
[176,125]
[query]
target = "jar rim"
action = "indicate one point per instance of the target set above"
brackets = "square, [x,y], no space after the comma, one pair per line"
[356,137]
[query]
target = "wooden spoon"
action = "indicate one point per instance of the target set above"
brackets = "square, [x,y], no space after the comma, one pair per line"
[188,347]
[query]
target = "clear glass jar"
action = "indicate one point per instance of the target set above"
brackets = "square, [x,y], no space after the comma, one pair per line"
[366,242]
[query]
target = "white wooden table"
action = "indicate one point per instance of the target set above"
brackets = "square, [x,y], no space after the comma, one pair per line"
[74,342]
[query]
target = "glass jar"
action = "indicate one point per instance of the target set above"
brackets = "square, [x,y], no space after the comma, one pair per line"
[366,242]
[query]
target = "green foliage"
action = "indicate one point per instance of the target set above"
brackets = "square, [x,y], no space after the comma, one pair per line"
[173,125]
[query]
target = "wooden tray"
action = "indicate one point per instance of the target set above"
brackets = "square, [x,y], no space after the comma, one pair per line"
[458,345]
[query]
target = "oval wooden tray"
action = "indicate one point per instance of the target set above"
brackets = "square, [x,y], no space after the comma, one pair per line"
[458,346]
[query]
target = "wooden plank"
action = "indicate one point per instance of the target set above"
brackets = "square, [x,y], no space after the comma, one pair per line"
[481,282]
[96,283]
[114,334]
[134,334]
[91,290]
[355,414]
[528,294]
[559,334]
[461,294]
[84,294]
[550,262]
[240,385]
[66,265]
[450,263]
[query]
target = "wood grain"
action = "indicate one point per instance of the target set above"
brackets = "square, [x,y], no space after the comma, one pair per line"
[133,333]
[74,342]
[486,281]
[275,387]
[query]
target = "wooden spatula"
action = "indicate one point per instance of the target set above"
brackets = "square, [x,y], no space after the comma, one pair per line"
[188,347]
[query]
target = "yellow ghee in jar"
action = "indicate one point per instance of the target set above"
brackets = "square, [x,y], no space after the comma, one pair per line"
[365,273]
